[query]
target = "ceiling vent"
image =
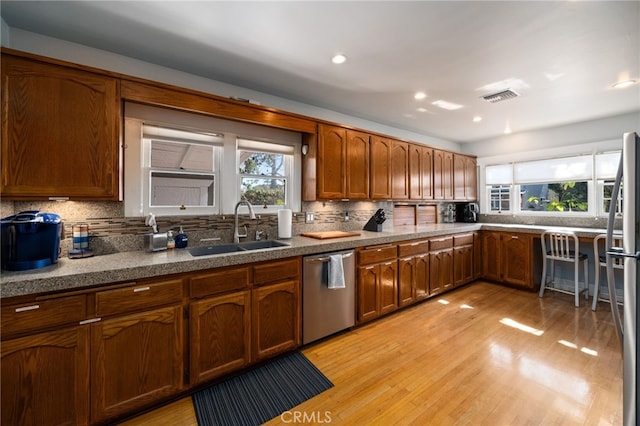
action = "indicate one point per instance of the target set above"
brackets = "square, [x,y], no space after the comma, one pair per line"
[500,96]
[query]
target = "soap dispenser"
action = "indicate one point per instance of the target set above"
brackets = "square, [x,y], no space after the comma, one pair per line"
[171,243]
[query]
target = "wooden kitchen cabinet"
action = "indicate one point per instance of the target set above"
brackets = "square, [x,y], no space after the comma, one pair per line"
[510,258]
[420,172]
[136,347]
[276,319]
[45,378]
[413,272]
[220,335]
[440,265]
[44,362]
[463,259]
[377,282]
[60,132]
[380,187]
[400,170]
[465,178]
[343,163]
[442,175]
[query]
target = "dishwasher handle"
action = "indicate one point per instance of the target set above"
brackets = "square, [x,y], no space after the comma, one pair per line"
[326,258]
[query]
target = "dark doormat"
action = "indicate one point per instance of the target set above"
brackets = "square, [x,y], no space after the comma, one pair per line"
[261,394]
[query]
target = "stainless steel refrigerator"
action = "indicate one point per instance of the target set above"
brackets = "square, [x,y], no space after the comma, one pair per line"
[629,175]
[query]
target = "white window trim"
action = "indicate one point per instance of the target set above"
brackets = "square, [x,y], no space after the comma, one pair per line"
[227,179]
[595,193]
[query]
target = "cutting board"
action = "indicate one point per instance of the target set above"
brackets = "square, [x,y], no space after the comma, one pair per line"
[323,235]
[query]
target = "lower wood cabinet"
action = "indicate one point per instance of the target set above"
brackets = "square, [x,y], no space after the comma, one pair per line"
[377,282]
[440,265]
[463,259]
[413,272]
[276,319]
[45,378]
[510,258]
[220,335]
[136,360]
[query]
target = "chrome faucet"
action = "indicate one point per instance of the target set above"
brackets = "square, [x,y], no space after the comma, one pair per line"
[252,215]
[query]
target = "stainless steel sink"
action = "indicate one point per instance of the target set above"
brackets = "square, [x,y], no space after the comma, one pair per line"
[231,248]
[256,245]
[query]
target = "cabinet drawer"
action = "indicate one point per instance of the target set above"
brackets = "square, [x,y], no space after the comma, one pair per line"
[42,314]
[462,240]
[440,243]
[138,297]
[276,271]
[377,254]
[219,282]
[414,247]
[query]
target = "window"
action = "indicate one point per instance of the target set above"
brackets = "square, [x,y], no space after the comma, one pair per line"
[499,198]
[571,185]
[265,171]
[182,170]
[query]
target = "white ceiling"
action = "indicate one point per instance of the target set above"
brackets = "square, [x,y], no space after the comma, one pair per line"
[562,57]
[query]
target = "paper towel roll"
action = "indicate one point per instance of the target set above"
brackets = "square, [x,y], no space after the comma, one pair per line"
[284,223]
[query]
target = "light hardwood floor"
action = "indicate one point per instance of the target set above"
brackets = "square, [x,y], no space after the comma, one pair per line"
[482,354]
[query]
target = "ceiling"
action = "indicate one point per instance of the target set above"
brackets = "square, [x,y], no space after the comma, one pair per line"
[561,58]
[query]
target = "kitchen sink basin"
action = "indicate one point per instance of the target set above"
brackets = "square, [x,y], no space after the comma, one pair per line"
[256,245]
[231,248]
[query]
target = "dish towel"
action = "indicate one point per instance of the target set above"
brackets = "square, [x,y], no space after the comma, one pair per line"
[336,272]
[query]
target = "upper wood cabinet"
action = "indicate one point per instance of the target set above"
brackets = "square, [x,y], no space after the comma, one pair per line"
[60,132]
[465,178]
[343,163]
[442,175]
[420,172]
[381,149]
[400,170]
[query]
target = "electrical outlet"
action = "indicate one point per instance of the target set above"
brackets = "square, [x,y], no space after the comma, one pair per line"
[308,217]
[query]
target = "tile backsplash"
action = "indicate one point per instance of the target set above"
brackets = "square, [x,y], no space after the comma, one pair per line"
[111,232]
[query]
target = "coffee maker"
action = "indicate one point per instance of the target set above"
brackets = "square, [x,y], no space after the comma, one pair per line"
[467,212]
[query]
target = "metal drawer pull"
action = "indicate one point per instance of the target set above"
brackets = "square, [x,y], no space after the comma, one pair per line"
[416,244]
[89,321]
[28,308]
[326,259]
[136,290]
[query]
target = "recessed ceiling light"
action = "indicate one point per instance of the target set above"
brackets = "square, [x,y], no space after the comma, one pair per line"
[339,59]
[477,119]
[624,84]
[446,105]
[420,95]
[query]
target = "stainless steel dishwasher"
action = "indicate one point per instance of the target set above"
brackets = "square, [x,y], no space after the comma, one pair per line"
[324,310]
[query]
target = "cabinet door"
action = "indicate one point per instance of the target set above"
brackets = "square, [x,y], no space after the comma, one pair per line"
[427,173]
[459,183]
[421,276]
[400,171]
[463,265]
[45,378]
[442,175]
[220,333]
[136,360]
[380,168]
[368,293]
[388,287]
[61,133]
[331,161]
[491,264]
[357,165]
[516,260]
[406,281]
[471,179]
[276,319]
[440,271]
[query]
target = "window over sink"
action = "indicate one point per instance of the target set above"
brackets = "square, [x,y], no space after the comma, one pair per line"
[179,163]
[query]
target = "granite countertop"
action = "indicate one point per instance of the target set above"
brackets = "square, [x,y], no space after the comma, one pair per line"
[69,274]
